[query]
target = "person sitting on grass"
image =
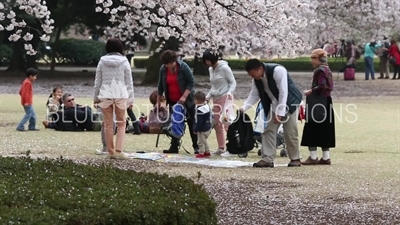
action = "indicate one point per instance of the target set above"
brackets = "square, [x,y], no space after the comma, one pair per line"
[74,117]
[54,102]
[203,124]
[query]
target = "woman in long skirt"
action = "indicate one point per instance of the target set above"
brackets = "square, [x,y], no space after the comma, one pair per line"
[320,133]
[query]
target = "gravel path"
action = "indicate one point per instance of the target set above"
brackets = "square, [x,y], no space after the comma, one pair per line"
[82,86]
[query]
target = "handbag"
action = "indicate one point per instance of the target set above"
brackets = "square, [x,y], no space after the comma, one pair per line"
[392,60]
[316,108]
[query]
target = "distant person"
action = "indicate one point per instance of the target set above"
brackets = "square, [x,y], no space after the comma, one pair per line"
[383,54]
[26,93]
[369,55]
[394,54]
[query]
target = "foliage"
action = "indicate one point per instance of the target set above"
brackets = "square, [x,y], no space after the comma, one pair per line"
[298,64]
[46,191]
[78,52]
[5,54]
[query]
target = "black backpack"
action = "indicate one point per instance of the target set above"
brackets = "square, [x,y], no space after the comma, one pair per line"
[240,135]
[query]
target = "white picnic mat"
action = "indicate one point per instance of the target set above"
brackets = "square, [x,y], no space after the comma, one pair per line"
[177,158]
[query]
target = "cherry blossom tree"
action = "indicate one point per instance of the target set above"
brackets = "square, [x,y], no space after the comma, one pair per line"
[9,21]
[362,20]
[239,25]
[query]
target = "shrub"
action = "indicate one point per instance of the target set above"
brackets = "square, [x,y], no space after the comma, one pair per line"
[78,52]
[46,191]
[298,64]
[5,54]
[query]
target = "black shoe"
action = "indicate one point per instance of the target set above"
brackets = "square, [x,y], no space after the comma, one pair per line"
[136,128]
[171,151]
[196,151]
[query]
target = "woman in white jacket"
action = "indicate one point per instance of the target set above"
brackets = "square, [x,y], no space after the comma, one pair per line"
[113,92]
[223,85]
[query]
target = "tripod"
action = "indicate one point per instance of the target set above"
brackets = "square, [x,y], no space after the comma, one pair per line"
[342,51]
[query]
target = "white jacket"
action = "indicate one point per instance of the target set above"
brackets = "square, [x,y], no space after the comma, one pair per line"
[222,81]
[113,78]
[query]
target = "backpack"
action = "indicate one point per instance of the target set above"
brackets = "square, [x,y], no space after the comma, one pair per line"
[156,120]
[240,135]
[176,126]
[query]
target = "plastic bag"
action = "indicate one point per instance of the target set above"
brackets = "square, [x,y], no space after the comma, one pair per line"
[228,114]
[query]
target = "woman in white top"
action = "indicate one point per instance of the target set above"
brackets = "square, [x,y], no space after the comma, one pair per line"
[223,85]
[113,92]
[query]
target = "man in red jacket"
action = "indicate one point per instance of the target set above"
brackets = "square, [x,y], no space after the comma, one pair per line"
[26,94]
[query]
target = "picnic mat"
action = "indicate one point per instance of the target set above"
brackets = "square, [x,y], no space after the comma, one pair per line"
[178,158]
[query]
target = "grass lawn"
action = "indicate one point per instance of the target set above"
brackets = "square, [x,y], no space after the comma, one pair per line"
[363,177]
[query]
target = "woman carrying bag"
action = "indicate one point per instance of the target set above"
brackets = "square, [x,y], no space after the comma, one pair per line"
[223,84]
[319,129]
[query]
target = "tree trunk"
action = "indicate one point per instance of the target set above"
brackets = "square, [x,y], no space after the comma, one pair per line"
[17,63]
[154,63]
[198,67]
[54,50]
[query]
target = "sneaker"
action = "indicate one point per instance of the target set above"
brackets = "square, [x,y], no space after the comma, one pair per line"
[199,156]
[118,155]
[207,154]
[219,152]
[101,152]
[227,154]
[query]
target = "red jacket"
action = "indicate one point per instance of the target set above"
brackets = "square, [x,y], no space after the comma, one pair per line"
[394,52]
[26,92]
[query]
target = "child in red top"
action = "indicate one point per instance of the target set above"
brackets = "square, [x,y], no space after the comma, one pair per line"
[26,94]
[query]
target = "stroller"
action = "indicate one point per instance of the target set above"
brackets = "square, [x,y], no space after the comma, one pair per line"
[260,123]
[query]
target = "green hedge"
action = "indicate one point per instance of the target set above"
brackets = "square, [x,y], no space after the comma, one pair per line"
[78,52]
[47,192]
[300,64]
[5,54]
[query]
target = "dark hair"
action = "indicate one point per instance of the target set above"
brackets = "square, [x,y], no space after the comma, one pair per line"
[31,72]
[252,64]
[209,55]
[372,43]
[114,45]
[200,96]
[168,56]
[392,42]
[65,96]
[51,95]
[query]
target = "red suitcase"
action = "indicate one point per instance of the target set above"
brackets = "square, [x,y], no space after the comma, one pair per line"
[349,74]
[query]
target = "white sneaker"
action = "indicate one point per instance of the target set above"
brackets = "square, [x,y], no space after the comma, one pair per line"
[227,154]
[101,152]
[219,152]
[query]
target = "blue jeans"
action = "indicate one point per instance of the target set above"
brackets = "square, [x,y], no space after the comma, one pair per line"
[369,67]
[29,116]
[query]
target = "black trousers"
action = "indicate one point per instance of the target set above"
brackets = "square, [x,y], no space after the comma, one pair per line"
[131,115]
[190,117]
